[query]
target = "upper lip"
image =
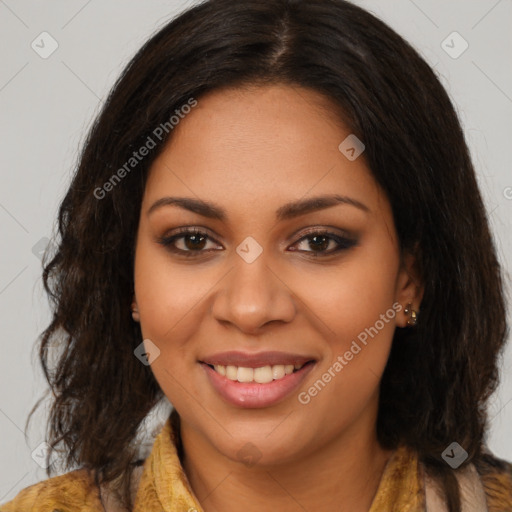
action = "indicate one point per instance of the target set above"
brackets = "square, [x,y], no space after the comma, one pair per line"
[255,360]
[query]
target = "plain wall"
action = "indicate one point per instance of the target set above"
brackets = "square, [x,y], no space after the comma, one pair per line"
[47,104]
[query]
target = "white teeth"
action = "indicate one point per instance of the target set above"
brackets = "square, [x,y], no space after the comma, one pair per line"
[220,369]
[231,372]
[245,374]
[288,368]
[278,371]
[262,375]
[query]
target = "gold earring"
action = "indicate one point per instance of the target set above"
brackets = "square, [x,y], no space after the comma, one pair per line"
[413,314]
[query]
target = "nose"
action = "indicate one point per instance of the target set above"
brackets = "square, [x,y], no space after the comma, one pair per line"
[252,295]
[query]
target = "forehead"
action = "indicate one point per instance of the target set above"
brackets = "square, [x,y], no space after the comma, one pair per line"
[258,147]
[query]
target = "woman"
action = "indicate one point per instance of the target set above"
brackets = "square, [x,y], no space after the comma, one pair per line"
[275,225]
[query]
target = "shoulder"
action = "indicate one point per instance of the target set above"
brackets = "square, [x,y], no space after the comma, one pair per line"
[72,491]
[496,476]
[484,484]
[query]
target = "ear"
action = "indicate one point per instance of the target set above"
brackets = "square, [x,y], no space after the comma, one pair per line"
[409,288]
[135,310]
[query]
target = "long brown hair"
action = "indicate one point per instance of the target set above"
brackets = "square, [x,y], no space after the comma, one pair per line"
[439,375]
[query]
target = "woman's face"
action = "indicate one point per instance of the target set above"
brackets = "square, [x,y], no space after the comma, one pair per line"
[293,259]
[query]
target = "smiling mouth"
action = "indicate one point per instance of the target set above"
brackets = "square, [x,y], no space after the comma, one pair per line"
[260,375]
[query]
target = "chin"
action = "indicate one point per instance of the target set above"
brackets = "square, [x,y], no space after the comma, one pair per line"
[262,445]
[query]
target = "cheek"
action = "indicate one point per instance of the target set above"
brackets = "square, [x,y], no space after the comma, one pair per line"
[171,301]
[355,302]
[357,324]
[351,297]
[169,297]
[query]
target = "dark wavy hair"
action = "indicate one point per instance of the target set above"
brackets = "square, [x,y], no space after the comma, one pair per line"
[439,375]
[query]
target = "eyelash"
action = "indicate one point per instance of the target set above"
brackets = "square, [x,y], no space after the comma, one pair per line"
[344,243]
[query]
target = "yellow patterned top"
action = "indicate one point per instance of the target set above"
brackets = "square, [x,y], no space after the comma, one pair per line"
[164,487]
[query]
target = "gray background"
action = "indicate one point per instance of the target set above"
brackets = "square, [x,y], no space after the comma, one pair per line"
[48,103]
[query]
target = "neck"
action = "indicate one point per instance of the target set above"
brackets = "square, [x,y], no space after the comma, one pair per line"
[345,470]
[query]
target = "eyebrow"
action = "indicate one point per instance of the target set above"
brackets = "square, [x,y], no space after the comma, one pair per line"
[285,212]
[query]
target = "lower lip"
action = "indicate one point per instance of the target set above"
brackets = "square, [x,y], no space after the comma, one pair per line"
[255,395]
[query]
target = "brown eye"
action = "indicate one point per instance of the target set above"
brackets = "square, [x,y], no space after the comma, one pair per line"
[187,242]
[318,242]
[194,242]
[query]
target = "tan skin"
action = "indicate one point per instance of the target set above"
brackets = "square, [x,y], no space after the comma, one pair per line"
[251,151]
